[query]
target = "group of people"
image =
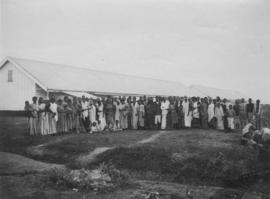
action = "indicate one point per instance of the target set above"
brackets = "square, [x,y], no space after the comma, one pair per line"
[121,113]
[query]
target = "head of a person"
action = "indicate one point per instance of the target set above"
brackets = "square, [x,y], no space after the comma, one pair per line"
[40,100]
[250,100]
[26,103]
[83,98]
[242,100]
[258,101]
[230,106]
[185,99]
[224,100]
[66,99]
[94,124]
[34,99]
[91,102]
[52,100]
[59,101]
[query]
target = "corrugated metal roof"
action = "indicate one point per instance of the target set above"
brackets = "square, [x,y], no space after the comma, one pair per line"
[57,77]
[214,92]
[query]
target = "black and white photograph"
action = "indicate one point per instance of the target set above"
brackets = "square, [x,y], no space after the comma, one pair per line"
[135,99]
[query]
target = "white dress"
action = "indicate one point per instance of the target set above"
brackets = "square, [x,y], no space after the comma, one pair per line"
[117,112]
[211,111]
[164,112]
[187,114]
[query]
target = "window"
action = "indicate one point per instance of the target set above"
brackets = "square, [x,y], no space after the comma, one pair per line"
[10,76]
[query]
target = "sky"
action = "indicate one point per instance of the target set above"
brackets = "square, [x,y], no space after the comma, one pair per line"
[218,43]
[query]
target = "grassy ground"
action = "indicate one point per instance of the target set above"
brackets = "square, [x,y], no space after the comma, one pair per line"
[14,138]
[191,157]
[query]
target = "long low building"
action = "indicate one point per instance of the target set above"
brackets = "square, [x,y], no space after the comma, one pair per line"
[21,79]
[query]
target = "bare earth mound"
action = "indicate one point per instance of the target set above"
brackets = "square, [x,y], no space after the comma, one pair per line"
[15,164]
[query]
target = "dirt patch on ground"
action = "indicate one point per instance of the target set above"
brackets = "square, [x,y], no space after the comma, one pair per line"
[84,160]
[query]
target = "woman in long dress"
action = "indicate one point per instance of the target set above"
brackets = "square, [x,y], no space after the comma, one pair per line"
[181,115]
[43,118]
[100,113]
[123,115]
[174,115]
[141,114]
[62,119]
[187,109]
[135,110]
[195,114]
[77,110]
[53,117]
[219,115]
[117,115]
[69,115]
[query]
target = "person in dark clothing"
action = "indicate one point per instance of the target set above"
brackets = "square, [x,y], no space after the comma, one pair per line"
[225,119]
[149,109]
[250,109]
[236,109]
[157,113]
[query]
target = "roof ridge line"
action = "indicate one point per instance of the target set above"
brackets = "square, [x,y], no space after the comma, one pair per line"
[101,71]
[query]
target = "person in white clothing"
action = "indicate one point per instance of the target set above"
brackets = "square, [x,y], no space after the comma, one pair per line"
[92,112]
[85,113]
[187,113]
[164,111]
[53,117]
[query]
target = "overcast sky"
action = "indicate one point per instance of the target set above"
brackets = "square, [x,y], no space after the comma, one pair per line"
[219,43]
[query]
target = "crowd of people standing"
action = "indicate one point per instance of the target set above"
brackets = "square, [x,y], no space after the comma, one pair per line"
[50,117]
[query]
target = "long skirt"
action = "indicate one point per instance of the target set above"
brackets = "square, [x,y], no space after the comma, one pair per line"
[243,119]
[77,123]
[69,118]
[204,121]
[237,122]
[110,119]
[33,123]
[123,121]
[181,120]
[195,123]
[52,124]
[62,124]
[134,121]
[188,119]
[164,121]
[220,123]
[44,124]
[141,119]
[230,122]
